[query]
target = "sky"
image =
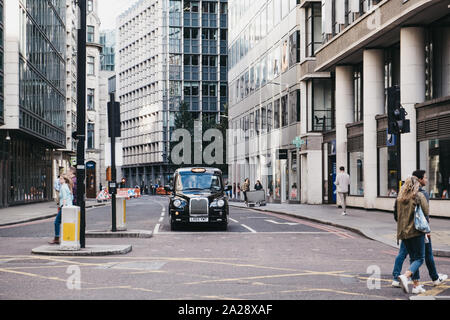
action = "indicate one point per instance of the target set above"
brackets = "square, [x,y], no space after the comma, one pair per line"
[109,10]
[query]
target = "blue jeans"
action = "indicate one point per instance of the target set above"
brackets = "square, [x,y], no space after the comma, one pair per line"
[416,250]
[58,223]
[429,261]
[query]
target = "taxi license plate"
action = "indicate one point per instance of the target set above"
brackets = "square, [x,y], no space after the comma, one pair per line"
[205,219]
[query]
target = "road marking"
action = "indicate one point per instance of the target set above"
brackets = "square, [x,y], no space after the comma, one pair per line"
[156,229]
[307,273]
[235,221]
[285,223]
[248,228]
[161,219]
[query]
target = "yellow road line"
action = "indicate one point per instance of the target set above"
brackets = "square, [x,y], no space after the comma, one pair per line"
[308,273]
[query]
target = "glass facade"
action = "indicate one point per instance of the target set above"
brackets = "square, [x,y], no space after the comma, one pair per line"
[356,172]
[42,70]
[107,41]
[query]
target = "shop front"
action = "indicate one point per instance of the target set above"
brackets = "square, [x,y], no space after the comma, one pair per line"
[433,136]
[329,167]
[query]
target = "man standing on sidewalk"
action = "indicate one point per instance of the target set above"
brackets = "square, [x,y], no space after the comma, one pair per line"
[342,184]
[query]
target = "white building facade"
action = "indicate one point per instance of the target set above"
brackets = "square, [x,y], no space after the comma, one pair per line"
[348,54]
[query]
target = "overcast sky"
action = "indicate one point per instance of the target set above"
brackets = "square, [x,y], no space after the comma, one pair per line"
[109,10]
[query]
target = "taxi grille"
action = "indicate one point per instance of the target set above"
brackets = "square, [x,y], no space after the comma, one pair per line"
[199,206]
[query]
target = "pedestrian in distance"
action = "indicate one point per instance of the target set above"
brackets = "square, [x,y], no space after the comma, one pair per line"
[73,177]
[342,185]
[234,190]
[239,191]
[409,197]
[258,185]
[245,189]
[65,199]
[436,277]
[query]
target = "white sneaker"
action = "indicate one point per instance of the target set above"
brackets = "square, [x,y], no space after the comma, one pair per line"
[442,278]
[344,214]
[395,284]
[403,283]
[418,290]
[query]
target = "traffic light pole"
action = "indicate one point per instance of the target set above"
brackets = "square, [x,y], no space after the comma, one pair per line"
[81,121]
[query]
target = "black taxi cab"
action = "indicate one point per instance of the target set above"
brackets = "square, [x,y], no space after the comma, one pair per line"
[198,197]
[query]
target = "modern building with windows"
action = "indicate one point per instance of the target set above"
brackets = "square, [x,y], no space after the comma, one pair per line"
[351,53]
[279,105]
[108,42]
[168,52]
[33,105]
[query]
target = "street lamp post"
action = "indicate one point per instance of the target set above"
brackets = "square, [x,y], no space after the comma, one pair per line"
[81,120]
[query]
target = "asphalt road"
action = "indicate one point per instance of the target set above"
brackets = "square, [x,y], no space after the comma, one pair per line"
[261,257]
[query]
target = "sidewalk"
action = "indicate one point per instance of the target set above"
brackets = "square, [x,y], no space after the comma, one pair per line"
[376,225]
[35,211]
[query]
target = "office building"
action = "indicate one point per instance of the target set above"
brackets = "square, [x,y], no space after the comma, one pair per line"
[168,52]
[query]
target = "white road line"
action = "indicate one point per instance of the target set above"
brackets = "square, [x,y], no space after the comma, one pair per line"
[156,229]
[235,221]
[161,219]
[248,228]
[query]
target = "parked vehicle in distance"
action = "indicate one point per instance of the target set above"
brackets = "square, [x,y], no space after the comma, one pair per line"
[198,197]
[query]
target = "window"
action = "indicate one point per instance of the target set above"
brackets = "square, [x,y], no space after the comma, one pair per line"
[356,172]
[257,121]
[388,172]
[209,90]
[191,33]
[313,29]
[358,102]
[276,114]
[434,158]
[269,117]
[90,136]
[90,34]
[191,89]
[90,99]
[90,5]
[209,7]
[294,46]
[90,66]
[191,6]
[294,106]
[322,105]
[284,111]
[191,60]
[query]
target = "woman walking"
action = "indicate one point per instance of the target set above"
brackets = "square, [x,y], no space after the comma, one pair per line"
[65,199]
[408,199]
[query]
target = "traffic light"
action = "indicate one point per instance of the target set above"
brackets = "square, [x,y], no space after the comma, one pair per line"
[397,122]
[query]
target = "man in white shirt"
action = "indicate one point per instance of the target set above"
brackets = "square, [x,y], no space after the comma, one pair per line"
[342,184]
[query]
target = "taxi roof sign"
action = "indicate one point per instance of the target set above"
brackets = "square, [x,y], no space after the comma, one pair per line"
[198,170]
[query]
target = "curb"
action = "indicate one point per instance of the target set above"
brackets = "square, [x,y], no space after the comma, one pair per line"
[142,234]
[88,251]
[436,253]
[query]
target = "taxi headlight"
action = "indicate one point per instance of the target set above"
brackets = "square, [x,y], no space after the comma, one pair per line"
[177,203]
[220,203]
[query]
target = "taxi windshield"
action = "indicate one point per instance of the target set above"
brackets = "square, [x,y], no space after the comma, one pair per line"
[190,181]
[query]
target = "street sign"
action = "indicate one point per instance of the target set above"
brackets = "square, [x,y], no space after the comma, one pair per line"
[282,154]
[298,142]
